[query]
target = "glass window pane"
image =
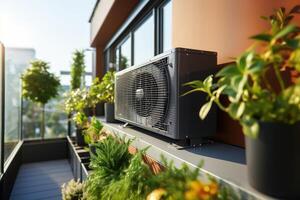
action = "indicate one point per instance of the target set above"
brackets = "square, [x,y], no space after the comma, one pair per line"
[117,57]
[125,54]
[144,41]
[167,26]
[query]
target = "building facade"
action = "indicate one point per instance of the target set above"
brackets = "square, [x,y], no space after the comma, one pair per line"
[127,33]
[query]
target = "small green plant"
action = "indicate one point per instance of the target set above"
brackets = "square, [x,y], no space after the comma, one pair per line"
[111,159]
[80,119]
[251,95]
[108,87]
[184,183]
[77,70]
[73,190]
[134,182]
[117,175]
[95,93]
[76,100]
[172,182]
[39,86]
[93,131]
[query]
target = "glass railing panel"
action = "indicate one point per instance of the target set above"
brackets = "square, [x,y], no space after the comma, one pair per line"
[16,60]
[56,123]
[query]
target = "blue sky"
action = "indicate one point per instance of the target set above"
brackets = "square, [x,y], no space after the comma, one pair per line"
[54,28]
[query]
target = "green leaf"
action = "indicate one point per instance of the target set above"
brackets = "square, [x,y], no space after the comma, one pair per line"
[293,43]
[235,82]
[264,18]
[194,84]
[229,70]
[218,92]
[236,110]
[257,66]
[250,127]
[288,29]
[205,109]
[242,61]
[208,82]
[262,37]
[194,90]
[295,10]
[240,109]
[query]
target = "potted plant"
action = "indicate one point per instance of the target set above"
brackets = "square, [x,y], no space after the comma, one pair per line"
[261,96]
[77,70]
[81,122]
[75,99]
[39,86]
[94,133]
[108,96]
[75,103]
[94,96]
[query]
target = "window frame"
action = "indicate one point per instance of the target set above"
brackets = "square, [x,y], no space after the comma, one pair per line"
[2,102]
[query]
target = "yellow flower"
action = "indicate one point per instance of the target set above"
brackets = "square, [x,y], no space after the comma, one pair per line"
[199,191]
[157,194]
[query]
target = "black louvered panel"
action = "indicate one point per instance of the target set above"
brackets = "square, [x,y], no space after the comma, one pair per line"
[143,95]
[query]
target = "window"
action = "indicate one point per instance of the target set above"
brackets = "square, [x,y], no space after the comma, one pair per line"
[144,41]
[142,37]
[167,26]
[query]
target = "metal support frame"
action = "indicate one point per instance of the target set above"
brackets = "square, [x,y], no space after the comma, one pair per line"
[2,102]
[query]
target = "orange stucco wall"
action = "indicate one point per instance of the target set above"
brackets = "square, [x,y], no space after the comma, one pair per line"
[223,26]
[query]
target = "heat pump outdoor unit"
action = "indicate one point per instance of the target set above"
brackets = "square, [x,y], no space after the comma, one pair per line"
[150,95]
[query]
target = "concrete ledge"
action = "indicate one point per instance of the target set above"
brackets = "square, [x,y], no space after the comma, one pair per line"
[224,162]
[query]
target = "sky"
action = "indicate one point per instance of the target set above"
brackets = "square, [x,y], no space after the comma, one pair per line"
[54,28]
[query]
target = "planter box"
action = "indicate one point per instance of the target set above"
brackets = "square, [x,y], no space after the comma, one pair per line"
[78,157]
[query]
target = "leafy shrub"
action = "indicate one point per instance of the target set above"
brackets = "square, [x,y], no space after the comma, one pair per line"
[111,159]
[107,87]
[93,131]
[39,86]
[77,70]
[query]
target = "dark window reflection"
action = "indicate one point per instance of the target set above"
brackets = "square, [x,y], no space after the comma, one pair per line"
[125,58]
